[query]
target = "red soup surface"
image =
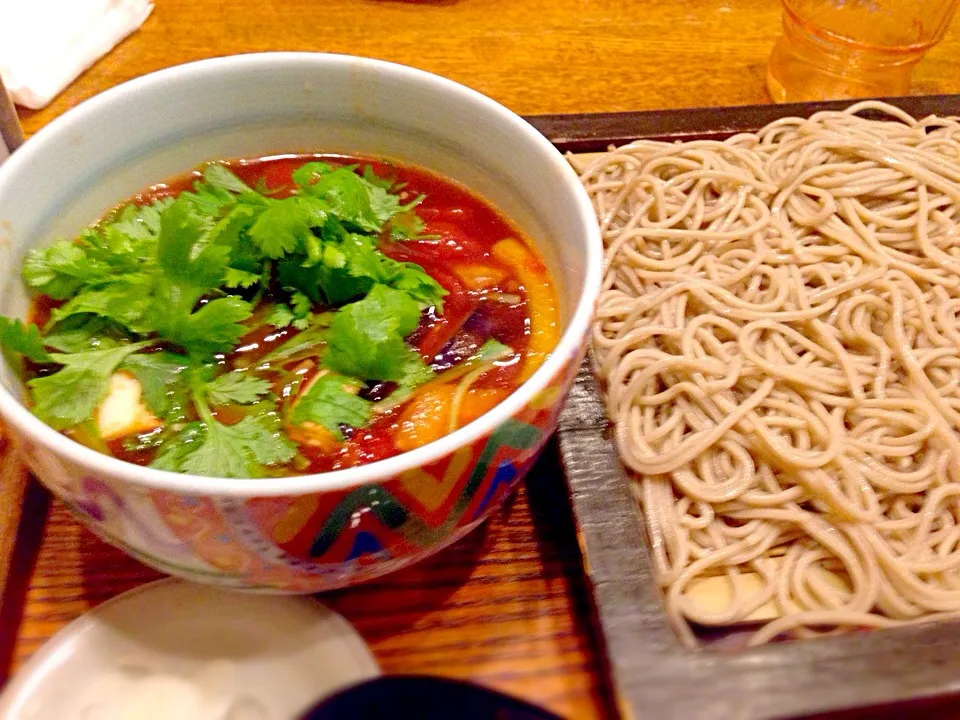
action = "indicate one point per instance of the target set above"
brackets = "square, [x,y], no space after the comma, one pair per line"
[287,315]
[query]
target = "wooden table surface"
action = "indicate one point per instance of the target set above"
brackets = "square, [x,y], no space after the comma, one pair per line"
[507,606]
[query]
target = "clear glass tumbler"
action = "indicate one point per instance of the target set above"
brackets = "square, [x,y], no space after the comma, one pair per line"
[834,49]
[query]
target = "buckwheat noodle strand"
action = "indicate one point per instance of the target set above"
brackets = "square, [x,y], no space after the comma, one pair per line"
[779,339]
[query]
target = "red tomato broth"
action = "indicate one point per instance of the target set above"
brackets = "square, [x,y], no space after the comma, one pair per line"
[460,227]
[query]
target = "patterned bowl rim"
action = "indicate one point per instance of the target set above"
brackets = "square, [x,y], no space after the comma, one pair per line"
[567,349]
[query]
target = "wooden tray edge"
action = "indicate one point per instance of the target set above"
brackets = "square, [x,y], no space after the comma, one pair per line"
[651,673]
[657,686]
[592,132]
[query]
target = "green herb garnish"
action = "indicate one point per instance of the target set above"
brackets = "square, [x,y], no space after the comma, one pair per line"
[329,402]
[165,291]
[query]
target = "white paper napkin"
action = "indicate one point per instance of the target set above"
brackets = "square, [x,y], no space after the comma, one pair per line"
[46,44]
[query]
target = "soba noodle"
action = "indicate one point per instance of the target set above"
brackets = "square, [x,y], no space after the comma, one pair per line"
[779,340]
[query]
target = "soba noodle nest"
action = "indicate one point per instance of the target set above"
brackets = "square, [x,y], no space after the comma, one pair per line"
[779,340]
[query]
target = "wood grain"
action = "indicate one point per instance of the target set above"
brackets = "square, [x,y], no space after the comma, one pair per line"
[535,56]
[505,607]
[13,485]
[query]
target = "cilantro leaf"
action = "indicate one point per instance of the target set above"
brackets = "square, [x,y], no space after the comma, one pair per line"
[367,337]
[160,376]
[139,223]
[285,226]
[239,451]
[372,178]
[306,173]
[350,265]
[242,450]
[182,255]
[209,199]
[301,323]
[120,252]
[220,176]
[329,403]
[231,230]
[214,328]
[406,225]
[237,387]
[350,268]
[302,305]
[297,313]
[491,350]
[414,281]
[61,269]
[281,316]
[246,257]
[415,373]
[178,447]
[79,333]
[219,192]
[291,273]
[348,196]
[235,278]
[70,396]
[364,202]
[124,301]
[385,205]
[23,339]
[366,265]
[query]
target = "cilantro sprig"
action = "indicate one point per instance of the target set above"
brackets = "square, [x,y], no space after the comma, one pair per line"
[366,338]
[168,290]
[246,449]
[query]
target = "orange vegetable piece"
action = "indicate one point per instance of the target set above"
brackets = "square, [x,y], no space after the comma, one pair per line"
[313,435]
[479,401]
[541,301]
[425,418]
[479,277]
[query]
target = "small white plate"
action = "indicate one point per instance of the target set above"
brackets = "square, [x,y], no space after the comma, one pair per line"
[174,649]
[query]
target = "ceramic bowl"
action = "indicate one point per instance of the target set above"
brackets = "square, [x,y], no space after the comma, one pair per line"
[313,532]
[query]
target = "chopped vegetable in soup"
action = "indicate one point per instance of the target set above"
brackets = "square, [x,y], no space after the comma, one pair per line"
[281,316]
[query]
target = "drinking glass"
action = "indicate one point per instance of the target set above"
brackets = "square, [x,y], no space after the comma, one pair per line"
[833,49]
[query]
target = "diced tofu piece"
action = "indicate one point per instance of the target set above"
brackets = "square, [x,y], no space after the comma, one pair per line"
[122,413]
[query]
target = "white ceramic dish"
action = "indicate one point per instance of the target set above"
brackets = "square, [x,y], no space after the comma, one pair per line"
[174,649]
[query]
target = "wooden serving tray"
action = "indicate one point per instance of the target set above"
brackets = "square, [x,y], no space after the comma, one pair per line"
[652,674]
[444,618]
